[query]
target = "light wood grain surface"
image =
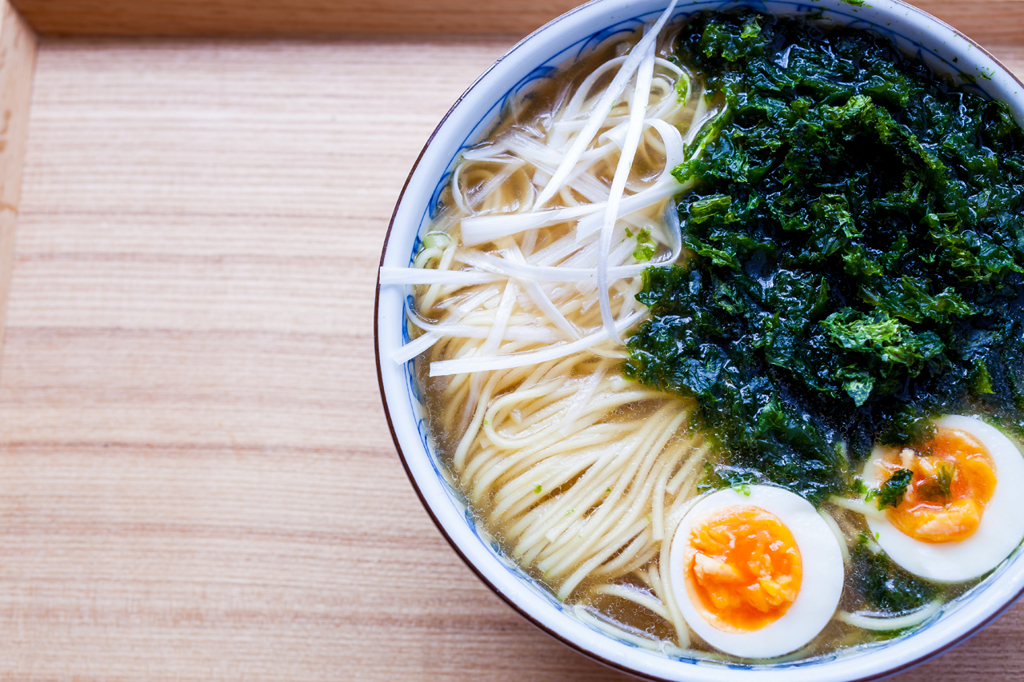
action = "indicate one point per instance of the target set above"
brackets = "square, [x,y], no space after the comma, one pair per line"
[17,70]
[196,478]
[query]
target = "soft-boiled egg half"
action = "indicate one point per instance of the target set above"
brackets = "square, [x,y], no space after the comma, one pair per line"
[756,575]
[962,512]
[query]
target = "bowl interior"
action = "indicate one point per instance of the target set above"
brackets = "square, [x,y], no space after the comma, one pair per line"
[471,118]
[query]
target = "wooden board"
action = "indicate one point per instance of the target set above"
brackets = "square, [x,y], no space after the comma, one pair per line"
[196,478]
[333,17]
[17,67]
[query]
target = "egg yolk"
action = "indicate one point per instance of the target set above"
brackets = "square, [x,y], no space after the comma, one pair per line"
[953,479]
[742,568]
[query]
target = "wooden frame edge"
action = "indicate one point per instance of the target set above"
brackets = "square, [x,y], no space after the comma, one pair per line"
[18,44]
[326,18]
[295,19]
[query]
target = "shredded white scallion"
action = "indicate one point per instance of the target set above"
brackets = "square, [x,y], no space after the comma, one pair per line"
[495,362]
[604,105]
[431,276]
[890,623]
[588,255]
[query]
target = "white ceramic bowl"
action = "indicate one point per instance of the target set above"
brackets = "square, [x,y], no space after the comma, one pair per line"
[468,121]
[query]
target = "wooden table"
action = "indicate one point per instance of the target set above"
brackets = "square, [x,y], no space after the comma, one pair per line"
[196,478]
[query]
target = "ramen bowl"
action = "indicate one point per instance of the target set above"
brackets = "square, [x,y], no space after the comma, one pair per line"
[475,113]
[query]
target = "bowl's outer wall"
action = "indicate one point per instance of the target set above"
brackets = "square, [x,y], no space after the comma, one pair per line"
[468,120]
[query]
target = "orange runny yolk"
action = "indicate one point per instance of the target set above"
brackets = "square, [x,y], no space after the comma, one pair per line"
[742,568]
[953,480]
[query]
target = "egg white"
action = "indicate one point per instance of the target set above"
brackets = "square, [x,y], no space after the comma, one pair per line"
[1002,521]
[820,588]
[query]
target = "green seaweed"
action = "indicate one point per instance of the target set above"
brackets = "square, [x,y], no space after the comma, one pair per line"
[856,241]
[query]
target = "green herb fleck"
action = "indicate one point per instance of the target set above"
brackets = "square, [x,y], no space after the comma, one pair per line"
[944,478]
[940,487]
[683,88]
[891,492]
[981,380]
[645,246]
[537,489]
